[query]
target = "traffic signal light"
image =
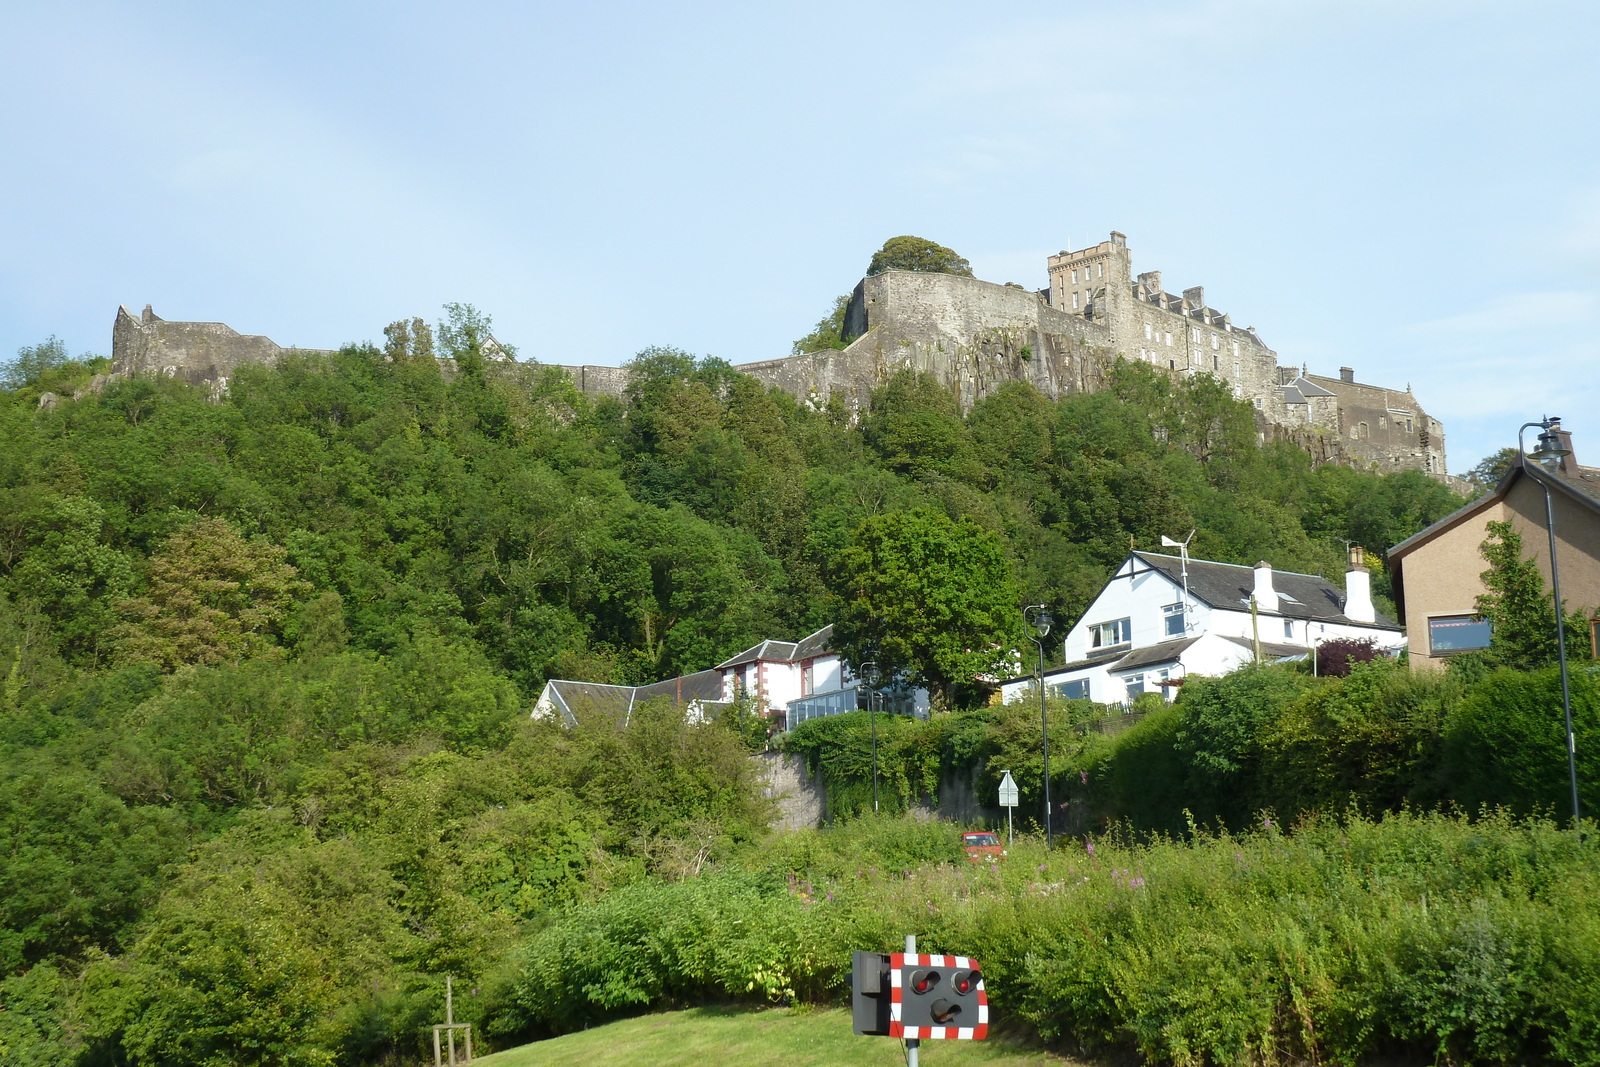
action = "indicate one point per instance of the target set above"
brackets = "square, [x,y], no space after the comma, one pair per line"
[869,993]
[937,997]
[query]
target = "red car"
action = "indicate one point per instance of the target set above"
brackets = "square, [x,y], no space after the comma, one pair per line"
[983,847]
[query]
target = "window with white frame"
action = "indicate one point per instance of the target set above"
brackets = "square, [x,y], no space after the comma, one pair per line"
[1148,331]
[1135,684]
[1216,342]
[1109,634]
[1074,301]
[1169,338]
[1074,277]
[1288,629]
[1077,689]
[1173,620]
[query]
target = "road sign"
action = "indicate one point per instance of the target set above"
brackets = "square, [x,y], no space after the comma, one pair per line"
[1008,791]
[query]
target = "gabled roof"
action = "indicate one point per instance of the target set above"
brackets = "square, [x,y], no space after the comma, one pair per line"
[807,647]
[1228,586]
[618,701]
[1581,485]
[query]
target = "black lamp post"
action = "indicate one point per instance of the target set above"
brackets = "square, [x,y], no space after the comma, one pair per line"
[1547,455]
[1040,622]
[870,675]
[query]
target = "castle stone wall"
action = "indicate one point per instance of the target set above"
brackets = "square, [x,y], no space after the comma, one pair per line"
[200,353]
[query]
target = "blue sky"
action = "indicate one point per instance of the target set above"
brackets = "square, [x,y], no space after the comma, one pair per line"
[1410,188]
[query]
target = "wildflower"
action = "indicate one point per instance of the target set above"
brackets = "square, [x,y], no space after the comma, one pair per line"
[1041,868]
[1083,776]
[1088,846]
[830,896]
[1266,823]
[1137,883]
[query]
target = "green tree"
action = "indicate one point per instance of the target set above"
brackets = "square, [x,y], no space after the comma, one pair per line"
[213,597]
[1491,468]
[464,336]
[928,599]
[828,333]
[1520,609]
[34,362]
[917,254]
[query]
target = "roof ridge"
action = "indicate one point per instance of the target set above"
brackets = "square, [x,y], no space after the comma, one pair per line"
[1241,566]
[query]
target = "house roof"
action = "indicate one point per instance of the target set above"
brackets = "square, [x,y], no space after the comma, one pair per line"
[1269,649]
[619,701]
[1150,655]
[1582,485]
[784,651]
[1228,586]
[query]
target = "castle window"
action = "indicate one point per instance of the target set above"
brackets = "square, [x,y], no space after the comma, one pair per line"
[1169,340]
[1194,336]
[1216,342]
[1074,308]
[1074,277]
[1101,267]
[1172,364]
[1382,422]
[1361,430]
[1236,368]
[1147,331]
[1236,350]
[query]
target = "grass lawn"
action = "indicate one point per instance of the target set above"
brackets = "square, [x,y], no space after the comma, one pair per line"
[708,1037]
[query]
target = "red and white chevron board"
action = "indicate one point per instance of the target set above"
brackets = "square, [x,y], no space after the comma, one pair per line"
[898,963]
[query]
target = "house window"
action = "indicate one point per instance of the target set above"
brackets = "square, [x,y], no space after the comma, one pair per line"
[1107,634]
[1147,331]
[1173,620]
[1288,629]
[1135,683]
[1457,633]
[807,681]
[1077,689]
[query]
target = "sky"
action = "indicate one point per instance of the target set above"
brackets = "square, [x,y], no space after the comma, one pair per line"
[1409,188]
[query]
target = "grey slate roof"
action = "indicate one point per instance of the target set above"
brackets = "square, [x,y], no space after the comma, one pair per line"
[1227,586]
[785,651]
[1269,649]
[618,701]
[1151,655]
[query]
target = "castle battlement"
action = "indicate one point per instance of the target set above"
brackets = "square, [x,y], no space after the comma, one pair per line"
[975,336]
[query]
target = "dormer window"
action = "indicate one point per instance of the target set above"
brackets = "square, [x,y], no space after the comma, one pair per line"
[1111,634]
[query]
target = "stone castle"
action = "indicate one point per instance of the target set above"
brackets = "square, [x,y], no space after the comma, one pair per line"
[975,336]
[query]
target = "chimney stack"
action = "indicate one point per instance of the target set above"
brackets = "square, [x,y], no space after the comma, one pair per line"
[1347,375]
[1196,295]
[1358,588]
[1569,462]
[1266,596]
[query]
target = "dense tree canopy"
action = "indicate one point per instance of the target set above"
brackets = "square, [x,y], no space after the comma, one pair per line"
[918,254]
[281,648]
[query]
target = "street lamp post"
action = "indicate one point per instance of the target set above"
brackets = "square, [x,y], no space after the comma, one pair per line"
[871,676]
[1040,622]
[1550,451]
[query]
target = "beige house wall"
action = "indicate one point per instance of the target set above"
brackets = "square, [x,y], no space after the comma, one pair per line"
[1443,575]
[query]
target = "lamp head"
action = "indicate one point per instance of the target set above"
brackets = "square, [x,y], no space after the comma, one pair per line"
[870,674]
[1042,622]
[1551,450]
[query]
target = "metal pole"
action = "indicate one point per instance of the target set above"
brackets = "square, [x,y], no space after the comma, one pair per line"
[1044,718]
[872,703]
[1561,622]
[1561,652]
[912,1044]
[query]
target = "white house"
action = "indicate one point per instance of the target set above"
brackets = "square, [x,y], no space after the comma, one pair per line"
[791,681]
[806,679]
[1161,619]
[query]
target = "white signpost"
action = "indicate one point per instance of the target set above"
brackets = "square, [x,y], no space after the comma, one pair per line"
[1008,800]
